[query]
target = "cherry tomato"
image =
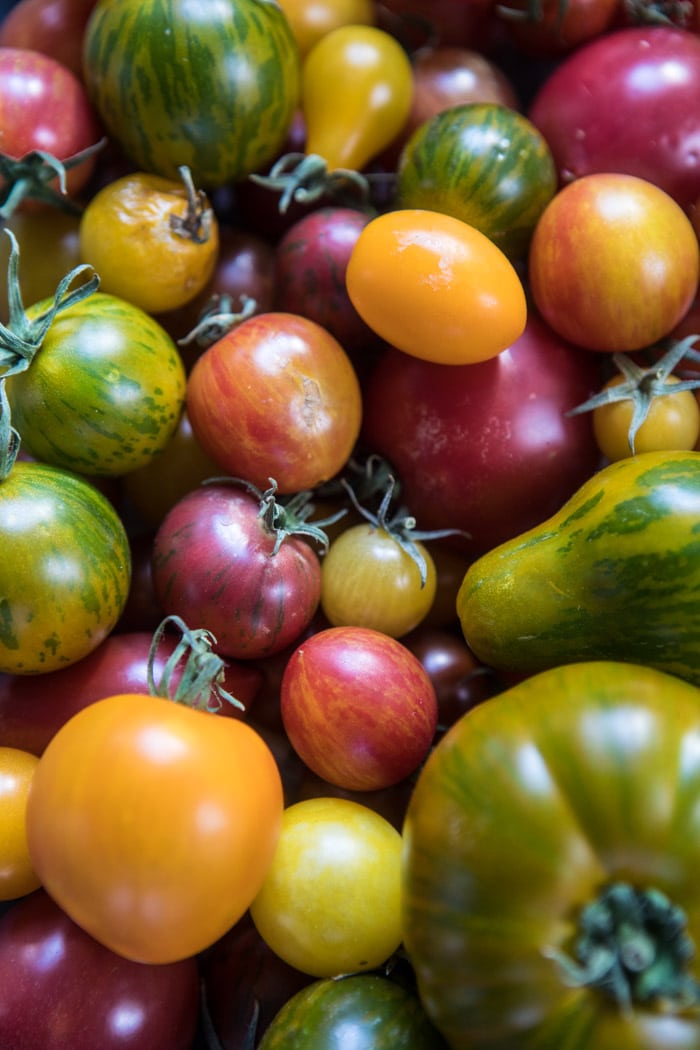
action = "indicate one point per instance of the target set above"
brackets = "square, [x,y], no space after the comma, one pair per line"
[39,271]
[167,853]
[54,27]
[672,422]
[17,875]
[435,287]
[310,20]
[331,900]
[552,28]
[614,263]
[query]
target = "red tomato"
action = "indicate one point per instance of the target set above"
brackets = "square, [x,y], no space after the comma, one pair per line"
[614,263]
[54,27]
[552,28]
[358,707]
[276,398]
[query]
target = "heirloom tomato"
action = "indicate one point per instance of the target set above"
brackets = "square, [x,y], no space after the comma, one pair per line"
[17,876]
[613,263]
[39,271]
[358,707]
[65,568]
[672,422]
[551,848]
[278,398]
[210,85]
[330,902]
[153,241]
[167,855]
[310,20]
[552,28]
[435,287]
[54,27]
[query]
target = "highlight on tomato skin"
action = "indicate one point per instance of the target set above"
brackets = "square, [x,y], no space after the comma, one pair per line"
[435,287]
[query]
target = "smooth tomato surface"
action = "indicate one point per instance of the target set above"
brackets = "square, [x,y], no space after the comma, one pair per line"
[17,876]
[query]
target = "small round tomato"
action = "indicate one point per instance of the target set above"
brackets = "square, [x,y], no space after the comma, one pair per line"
[435,287]
[17,875]
[39,271]
[614,263]
[672,422]
[152,824]
[153,241]
[331,900]
[310,20]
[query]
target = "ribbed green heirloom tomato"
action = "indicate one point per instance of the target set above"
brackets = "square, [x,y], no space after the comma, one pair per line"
[153,824]
[550,875]
[435,287]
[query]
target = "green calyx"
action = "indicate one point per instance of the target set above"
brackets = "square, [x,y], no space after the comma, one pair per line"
[633,946]
[217,318]
[195,225]
[304,178]
[642,385]
[30,178]
[22,338]
[200,685]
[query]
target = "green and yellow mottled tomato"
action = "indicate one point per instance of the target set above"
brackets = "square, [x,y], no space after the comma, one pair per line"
[550,889]
[212,84]
[65,568]
[484,163]
[104,393]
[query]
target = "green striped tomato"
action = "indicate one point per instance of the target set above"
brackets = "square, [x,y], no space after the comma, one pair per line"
[484,163]
[211,84]
[104,393]
[65,568]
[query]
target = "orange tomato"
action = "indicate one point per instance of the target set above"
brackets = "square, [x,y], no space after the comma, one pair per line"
[17,875]
[310,20]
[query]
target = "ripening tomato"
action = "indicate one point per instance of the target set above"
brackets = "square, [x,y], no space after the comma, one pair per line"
[331,900]
[614,262]
[435,287]
[152,824]
[17,875]
[310,20]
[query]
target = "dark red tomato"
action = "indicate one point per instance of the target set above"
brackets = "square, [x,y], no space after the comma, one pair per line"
[59,988]
[627,102]
[54,27]
[34,707]
[44,106]
[463,23]
[213,565]
[488,447]
[555,28]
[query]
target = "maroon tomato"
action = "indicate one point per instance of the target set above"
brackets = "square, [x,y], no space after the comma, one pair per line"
[552,28]
[627,102]
[358,707]
[276,398]
[54,27]
[34,707]
[463,23]
[59,988]
[214,565]
[487,448]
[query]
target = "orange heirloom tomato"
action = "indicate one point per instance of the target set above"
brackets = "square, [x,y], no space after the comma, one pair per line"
[435,287]
[356,94]
[17,875]
[672,422]
[153,824]
[153,241]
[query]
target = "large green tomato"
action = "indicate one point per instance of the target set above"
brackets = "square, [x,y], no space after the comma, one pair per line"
[552,848]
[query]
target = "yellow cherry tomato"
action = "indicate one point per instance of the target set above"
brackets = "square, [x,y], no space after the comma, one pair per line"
[356,94]
[435,287]
[672,423]
[310,20]
[153,241]
[17,875]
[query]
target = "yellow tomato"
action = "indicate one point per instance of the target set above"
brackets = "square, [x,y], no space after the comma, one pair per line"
[153,241]
[672,423]
[312,19]
[17,875]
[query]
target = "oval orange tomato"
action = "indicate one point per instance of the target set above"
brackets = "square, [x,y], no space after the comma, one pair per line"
[17,875]
[435,287]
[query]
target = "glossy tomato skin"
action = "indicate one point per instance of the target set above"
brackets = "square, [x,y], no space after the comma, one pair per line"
[613,263]
[627,102]
[65,568]
[486,447]
[39,271]
[170,851]
[60,988]
[17,875]
[53,27]
[33,709]
[564,772]
[213,565]
[277,397]
[358,707]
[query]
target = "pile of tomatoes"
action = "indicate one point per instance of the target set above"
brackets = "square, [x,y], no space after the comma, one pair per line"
[305,309]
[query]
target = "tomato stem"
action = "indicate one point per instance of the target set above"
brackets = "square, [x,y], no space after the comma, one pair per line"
[217,318]
[195,224]
[30,178]
[633,946]
[201,681]
[304,178]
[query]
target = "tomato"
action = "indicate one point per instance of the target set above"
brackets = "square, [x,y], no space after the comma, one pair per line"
[614,263]
[672,422]
[44,106]
[331,900]
[435,287]
[17,876]
[358,707]
[153,241]
[485,447]
[160,861]
[551,860]
[39,271]
[105,391]
[64,568]
[213,87]
[355,95]
[53,27]
[458,24]
[310,20]
[553,28]
[276,397]
[61,988]
[220,562]
[627,102]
